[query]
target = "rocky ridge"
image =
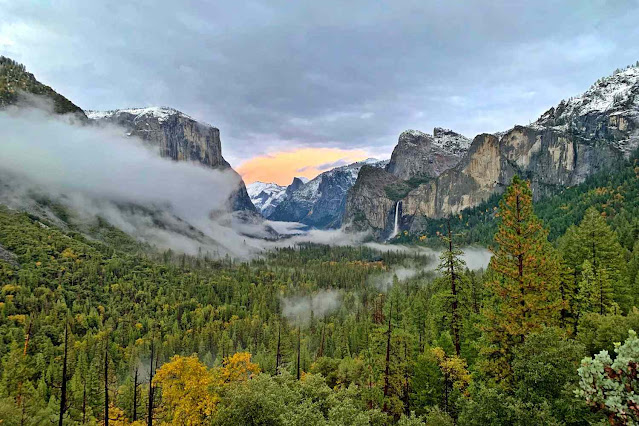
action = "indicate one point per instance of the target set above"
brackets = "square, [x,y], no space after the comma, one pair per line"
[419,154]
[579,137]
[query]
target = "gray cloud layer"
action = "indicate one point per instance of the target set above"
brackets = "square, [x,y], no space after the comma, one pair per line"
[330,73]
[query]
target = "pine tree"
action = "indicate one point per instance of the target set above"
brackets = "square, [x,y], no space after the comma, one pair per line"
[598,244]
[524,280]
[451,265]
[63,387]
[595,291]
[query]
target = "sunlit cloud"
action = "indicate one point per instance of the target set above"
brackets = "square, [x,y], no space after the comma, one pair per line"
[281,167]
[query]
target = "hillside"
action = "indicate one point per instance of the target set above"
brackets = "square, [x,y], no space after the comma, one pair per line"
[345,320]
[15,81]
[614,193]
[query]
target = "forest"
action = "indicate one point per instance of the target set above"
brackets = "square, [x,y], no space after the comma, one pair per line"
[106,332]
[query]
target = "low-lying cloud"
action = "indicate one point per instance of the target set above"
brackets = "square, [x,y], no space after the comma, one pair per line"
[51,151]
[300,308]
[97,171]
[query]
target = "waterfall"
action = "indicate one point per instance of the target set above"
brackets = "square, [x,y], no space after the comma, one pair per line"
[396,228]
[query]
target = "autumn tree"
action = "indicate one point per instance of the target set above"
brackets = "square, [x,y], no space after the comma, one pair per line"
[523,280]
[455,376]
[236,368]
[186,390]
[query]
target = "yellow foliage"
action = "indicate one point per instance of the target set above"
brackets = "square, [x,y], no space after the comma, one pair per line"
[69,254]
[186,390]
[453,368]
[18,318]
[116,417]
[10,288]
[237,367]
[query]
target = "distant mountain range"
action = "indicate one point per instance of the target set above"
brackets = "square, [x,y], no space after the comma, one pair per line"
[318,203]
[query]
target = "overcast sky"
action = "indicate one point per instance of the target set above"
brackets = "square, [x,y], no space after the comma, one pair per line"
[284,75]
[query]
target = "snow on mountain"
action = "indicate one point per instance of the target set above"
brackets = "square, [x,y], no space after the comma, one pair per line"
[320,202]
[161,113]
[311,191]
[613,94]
[446,139]
[266,196]
[607,112]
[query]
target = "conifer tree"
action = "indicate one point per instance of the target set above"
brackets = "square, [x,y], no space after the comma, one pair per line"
[451,265]
[595,291]
[524,280]
[597,243]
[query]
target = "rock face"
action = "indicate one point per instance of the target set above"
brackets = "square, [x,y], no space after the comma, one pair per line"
[419,154]
[8,257]
[320,202]
[266,196]
[578,138]
[178,137]
[367,204]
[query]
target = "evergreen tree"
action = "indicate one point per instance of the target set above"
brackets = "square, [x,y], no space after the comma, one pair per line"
[451,265]
[597,243]
[524,282]
[595,291]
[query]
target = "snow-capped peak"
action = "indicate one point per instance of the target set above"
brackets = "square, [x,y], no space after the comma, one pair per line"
[266,196]
[446,139]
[160,113]
[613,94]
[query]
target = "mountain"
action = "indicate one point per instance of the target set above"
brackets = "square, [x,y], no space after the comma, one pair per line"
[266,196]
[581,136]
[16,86]
[179,137]
[419,154]
[320,202]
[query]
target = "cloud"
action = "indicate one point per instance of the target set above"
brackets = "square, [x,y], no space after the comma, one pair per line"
[475,258]
[281,167]
[339,163]
[53,152]
[279,75]
[300,308]
[95,171]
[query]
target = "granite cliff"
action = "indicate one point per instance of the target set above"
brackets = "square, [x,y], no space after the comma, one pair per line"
[179,137]
[579,137]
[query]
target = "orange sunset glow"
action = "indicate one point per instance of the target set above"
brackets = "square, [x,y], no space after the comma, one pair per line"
[281,167]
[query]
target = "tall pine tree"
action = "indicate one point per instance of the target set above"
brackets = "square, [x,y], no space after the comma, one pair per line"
[523,280]
[451,266]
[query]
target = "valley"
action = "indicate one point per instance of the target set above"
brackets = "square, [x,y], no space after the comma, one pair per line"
[461,281]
